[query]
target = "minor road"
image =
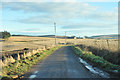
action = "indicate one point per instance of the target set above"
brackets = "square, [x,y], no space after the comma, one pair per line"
[63,63]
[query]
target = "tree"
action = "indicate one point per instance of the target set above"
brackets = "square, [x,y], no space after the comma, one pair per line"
[86,37]
[5,35]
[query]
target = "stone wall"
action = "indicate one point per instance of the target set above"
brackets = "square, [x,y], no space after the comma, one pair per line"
[12,56]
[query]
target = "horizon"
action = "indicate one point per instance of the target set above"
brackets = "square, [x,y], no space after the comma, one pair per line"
[75,18]
[61,35]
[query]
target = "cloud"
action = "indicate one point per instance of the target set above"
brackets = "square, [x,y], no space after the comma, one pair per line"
[36,20]
[31,31]
[109,16]
[39,0]
[60,12]
[90,26]
[59,0]
[101,0]
[49,7]
[50,10]
[71,16]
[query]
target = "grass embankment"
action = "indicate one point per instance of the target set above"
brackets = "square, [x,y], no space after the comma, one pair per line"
[96,61]
[110,56]
[21,66]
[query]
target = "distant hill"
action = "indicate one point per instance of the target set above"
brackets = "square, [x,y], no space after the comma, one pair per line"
[50,36]
[113,36]
[23,35]
[46,36]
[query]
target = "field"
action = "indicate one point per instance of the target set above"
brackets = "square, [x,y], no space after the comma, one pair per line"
[108,49]
[98,51]
[15,43]
[111,44]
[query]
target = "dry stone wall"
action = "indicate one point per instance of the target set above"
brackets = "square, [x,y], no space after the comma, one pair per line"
[11,57]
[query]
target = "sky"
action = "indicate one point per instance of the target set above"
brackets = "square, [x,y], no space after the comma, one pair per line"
[77,18]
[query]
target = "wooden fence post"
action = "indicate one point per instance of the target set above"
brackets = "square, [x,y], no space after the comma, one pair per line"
[18,56]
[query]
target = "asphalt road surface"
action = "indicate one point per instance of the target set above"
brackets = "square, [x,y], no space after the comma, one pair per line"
[63,63]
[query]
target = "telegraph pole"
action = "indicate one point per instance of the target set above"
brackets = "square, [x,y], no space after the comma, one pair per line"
[65,37]
[55,32]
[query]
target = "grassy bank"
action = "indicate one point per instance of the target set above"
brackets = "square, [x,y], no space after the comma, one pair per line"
[96,61]
[21,66]
[110,56]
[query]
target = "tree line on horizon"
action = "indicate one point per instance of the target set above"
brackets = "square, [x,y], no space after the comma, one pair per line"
[5,35]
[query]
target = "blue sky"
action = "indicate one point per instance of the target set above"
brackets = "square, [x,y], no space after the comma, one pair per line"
[77,18]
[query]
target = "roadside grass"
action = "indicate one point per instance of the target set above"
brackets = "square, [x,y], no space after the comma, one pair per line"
[110,56]
[19,67]
[96,61]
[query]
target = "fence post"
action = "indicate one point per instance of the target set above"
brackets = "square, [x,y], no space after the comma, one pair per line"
[18,56]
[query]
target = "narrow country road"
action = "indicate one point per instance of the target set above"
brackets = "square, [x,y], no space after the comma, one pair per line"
[63,63]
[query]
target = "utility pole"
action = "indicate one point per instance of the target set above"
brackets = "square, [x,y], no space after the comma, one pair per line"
[55,32]
[65,38]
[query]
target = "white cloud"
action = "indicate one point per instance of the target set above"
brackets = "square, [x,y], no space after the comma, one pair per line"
[61,12]
[59,0]
[52,10]
[90,26]
[36,20]
[39,0]
[49,7]
[108,16]
[116,8]
[70,15]
[31,31]
[101,0]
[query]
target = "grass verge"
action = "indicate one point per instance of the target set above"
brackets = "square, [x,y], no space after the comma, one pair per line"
[19,67]
[96,61]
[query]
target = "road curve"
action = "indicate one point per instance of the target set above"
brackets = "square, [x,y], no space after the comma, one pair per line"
[63,63]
